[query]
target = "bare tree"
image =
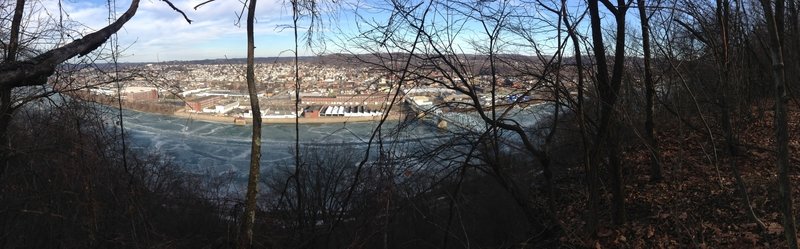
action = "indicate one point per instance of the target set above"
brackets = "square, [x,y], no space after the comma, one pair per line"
[650,92]
[777,36]
[608,89]
[723,34]
[249,217]
[503,29]
[35,71]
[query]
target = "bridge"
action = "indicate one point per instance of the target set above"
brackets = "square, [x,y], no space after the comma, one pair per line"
[443,119]
[471,123]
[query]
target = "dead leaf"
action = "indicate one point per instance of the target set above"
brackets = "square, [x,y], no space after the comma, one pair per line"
[774,228]
[603,232]
[749,225]
[751,238]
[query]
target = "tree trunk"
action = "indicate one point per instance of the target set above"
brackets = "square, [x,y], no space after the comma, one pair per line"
[6,102]
[791,50]
[34,71]
[591,223]
[608,91]
[16,23]
[6,109]
[775,26]
[650,92]
[592,175]
[298,170]
[248,221]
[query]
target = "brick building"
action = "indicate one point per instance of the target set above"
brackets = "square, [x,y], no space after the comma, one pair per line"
[197,104]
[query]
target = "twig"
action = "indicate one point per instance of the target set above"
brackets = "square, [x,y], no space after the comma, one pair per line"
[180,11]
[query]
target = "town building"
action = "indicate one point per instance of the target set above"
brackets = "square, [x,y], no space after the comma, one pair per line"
[346,100]
[198,104]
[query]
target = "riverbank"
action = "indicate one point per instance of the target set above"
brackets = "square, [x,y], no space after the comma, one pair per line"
[302,120]
[181,113]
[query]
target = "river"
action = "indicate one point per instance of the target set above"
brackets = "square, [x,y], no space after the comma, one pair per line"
[215,148]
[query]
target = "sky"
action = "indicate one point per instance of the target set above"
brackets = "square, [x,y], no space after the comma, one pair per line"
[158,33]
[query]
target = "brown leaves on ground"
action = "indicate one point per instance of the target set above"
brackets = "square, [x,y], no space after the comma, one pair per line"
[697,205]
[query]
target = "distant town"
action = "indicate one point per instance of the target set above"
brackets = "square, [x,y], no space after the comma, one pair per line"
[331,92]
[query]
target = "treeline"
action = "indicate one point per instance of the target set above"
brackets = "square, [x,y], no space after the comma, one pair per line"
[160,106]
[708,71]
[70,182]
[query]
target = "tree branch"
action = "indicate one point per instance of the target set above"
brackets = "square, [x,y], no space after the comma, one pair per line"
[35,71]
[611,8]
[180,11]
[203,3]
[694,32]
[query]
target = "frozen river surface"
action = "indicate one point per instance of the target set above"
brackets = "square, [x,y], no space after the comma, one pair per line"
[206,147]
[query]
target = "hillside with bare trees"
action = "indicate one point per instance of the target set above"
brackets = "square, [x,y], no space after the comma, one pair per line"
[497,124]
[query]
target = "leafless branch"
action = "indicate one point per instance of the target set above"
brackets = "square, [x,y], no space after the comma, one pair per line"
[179,10]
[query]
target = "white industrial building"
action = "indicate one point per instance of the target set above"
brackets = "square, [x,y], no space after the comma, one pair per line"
[348,111]
[222,108]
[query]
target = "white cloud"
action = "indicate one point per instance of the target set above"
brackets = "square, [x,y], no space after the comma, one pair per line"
[159,33]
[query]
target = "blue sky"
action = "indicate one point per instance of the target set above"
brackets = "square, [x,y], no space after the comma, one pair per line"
[157,33]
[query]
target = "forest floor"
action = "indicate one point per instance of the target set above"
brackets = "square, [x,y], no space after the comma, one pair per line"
[697,204]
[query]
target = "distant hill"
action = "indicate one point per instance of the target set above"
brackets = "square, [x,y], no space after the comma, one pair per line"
[477,61]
